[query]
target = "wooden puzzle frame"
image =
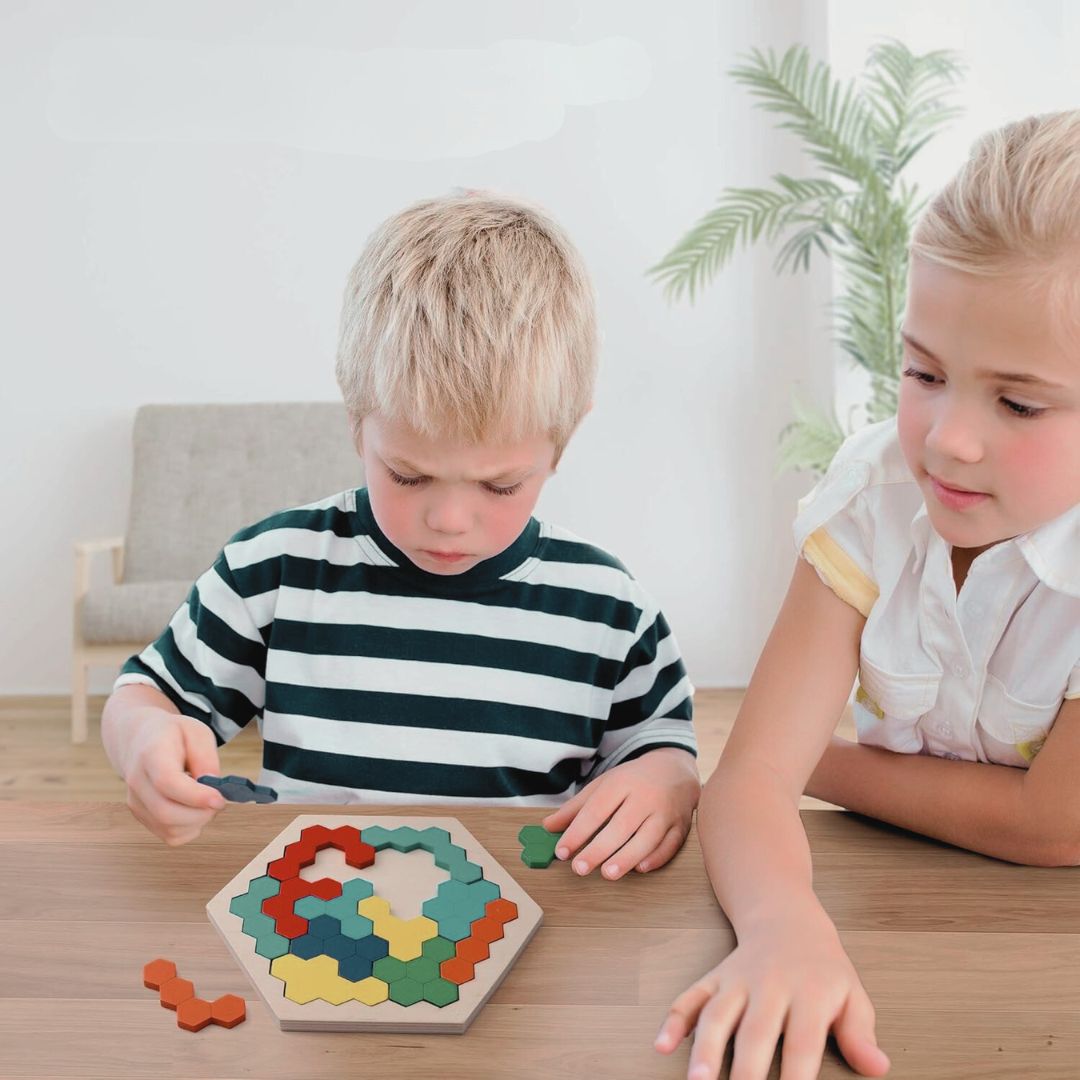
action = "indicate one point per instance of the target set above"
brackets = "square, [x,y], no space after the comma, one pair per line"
[401,876]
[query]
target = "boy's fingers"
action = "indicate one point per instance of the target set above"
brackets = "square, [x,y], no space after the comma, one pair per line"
[620,827]
[165,774]
[200,748]
[560,818]
[589,818]
[201,759]
[854,1031]
[168,820]
[664,852]
[641,843]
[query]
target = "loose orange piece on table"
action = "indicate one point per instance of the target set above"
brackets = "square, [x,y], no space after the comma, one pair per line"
[157,973]
[193,1014]
[228,1010]
[175,991]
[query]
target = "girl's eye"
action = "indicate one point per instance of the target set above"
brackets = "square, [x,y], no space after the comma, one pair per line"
[921,376]
[1017,409]
[513,489]
[406,481]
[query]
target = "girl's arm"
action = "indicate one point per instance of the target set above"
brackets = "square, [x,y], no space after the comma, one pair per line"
[788,972]
[1029,816]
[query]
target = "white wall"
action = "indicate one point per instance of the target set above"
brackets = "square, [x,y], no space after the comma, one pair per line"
[1021,59]
[187,184]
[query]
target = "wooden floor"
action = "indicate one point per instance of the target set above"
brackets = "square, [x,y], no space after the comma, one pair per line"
[38,760]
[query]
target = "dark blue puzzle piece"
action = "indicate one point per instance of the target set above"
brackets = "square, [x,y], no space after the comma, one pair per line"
[240,789]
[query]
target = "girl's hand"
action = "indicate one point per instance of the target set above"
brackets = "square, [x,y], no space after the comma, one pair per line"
[634,817]
[789,977]
[166,753]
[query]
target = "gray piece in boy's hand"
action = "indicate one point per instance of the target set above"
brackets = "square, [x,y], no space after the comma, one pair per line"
[240,789]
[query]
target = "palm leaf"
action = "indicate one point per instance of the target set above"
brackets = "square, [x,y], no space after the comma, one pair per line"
[860,211]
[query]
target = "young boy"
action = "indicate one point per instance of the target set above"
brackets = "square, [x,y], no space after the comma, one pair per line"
[425,639]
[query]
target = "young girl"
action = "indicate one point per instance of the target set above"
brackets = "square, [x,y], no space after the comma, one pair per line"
[940,563]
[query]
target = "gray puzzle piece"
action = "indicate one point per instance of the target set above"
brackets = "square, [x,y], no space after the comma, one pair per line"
[240,789]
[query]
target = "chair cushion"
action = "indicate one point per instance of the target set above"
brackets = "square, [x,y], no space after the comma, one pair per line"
[136,612]
[202,472]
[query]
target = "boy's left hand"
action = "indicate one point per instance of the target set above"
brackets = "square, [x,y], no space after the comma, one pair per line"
[634,817]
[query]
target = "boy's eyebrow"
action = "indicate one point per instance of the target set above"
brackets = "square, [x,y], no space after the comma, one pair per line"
[406,466]
[1002,376]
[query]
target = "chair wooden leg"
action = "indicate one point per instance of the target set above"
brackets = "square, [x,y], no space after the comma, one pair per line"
[78,699]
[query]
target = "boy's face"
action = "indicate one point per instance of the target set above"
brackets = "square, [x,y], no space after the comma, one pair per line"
[989,403]
[448,505]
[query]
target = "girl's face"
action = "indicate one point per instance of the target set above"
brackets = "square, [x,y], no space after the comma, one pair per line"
[989,415]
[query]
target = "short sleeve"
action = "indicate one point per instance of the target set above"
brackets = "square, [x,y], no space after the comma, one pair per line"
[1073,689]
[210,660]
[832,530]
[652,703]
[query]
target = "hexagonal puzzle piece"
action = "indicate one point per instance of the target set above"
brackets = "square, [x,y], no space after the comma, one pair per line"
[537,846]
[350,960]
[240,789]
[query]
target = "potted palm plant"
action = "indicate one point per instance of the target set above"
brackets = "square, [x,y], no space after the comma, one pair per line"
[859,210]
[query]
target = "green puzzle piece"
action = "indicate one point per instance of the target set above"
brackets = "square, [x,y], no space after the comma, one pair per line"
[537,846]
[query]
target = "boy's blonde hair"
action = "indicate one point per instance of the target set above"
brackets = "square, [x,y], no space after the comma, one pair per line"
[1014,207]
[470,316]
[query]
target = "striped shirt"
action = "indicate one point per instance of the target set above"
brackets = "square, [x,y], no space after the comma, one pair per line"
[372,680]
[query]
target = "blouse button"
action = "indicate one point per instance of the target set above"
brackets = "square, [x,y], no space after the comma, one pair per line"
[960,671]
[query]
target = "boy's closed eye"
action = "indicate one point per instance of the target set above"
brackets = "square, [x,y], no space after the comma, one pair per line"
[418,481]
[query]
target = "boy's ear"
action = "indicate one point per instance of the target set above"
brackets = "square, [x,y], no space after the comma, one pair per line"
[355,432]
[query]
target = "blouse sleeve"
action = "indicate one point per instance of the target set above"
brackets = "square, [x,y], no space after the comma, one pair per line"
[833,531]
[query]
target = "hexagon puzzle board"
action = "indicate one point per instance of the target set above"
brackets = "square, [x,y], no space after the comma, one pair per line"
[358,923]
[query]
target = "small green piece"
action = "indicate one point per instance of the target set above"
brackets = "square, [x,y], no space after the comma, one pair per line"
[537,846]
[439,992]
[422,970]
[389,969]
[406,991]
[438,949]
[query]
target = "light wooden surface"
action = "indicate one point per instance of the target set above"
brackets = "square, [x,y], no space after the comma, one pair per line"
[38,760]
[973,964]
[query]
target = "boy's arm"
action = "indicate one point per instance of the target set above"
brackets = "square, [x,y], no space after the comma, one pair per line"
[210,660]
[636,809]
[1029,816]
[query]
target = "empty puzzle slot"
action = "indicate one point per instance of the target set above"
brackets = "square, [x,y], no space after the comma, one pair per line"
[404,880]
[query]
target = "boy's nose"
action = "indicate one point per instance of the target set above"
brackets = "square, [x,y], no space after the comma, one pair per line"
[448,516]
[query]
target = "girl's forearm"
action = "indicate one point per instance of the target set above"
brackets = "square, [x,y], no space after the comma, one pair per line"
[970,804]
[755,848]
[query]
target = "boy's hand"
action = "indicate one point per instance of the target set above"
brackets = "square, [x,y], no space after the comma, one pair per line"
[166,753]
[635,816]
[791,977]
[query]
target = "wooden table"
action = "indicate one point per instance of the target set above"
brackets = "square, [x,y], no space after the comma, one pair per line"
[973,964]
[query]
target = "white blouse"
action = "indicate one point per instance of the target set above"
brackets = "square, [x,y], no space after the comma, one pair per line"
[980,675]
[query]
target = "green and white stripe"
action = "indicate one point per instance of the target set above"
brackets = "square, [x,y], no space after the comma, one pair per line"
[513,683]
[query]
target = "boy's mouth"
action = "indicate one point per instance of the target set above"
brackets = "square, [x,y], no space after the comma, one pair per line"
[446,556]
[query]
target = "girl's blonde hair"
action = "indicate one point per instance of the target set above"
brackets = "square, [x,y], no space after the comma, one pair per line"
[470,316]
[1014,207]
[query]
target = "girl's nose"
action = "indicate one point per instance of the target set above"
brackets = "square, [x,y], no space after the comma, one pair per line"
[954,433]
